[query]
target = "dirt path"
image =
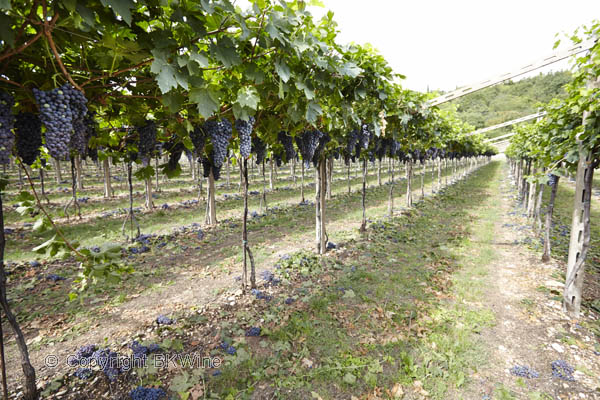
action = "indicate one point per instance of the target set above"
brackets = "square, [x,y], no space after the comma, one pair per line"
[530,330]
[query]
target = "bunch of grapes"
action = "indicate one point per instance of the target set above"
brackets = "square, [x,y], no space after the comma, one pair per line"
[147,139]
[321,146]
[352,140]
[7,120]
[91,131]
[198,138]
[562,370]
[220,135]
[107,360]
[365,136]
[307,143]
[277,158]
[524,371]
[78,143]
[208,166]
[381,147]
[83,355]
[260,148]
[59,107]
[175,148]
[142,393]
[288,145]
[83,373]
[244,129]
[552,180]
[28,133]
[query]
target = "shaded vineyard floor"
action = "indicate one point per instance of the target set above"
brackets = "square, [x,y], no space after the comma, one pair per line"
[161,283]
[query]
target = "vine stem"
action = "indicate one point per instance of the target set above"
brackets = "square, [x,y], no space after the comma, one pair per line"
[39,204]
[47,30]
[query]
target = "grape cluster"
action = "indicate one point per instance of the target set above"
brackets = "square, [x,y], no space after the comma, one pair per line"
[175,147]
[83,355]
[260,148]
[365,136]
[524,371]
[140,351]
[254,331]
[307,143]
[91,131]
[381,147]
[59,107]
[288,145]
[198,138]
[7,120]
[208,166]
[164,320]
[552,179]
[83,373]
[107,360]
[220,135]
[78,142]
[147,139]
[244,129]
[28,133]
[142,393]
[562,370]
[352,140]
[321,146]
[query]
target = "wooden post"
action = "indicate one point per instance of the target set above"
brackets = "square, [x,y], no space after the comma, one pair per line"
[580,226]
[211,214]
[108,192]
[409,183]
[79,171]
[149,203]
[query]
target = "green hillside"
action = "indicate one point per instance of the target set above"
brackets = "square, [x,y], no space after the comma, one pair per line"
[509,100]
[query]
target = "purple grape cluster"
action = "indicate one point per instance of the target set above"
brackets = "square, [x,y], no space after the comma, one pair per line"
[208,166]
[552,180]
[260,295]
[55,278]
[320,148]
[143,393]
[227,348]
[90,132]
[220,135]
[7,139]
[140,351]
[164,320]
[524,371]
[307,143]
[59,108]
[78,141]
[562,370]
[254,331]
[365,137]
[83,355]
[288,145]
[198,138]
[107,360]
[244,129]
[352,139]
[147,139]
[83,373]
[28,135]
[259,148]
[175,147]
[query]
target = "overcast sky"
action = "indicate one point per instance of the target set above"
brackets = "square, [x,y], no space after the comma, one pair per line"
[444,44]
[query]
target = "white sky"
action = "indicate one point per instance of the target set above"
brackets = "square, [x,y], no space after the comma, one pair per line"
[444,44]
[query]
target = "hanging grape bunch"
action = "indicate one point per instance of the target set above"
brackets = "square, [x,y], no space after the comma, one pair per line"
[220,134]
[552,180]
[7,120]
[288,145]
[363,139]
[198,138]
[147,139]
[244,129]
[58,108]
[175,147]
[352,139]
[381,146]
[320,148]
[259,148]
[90,132]
[208,166]
[307,143]
[28,135]
[77,143]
